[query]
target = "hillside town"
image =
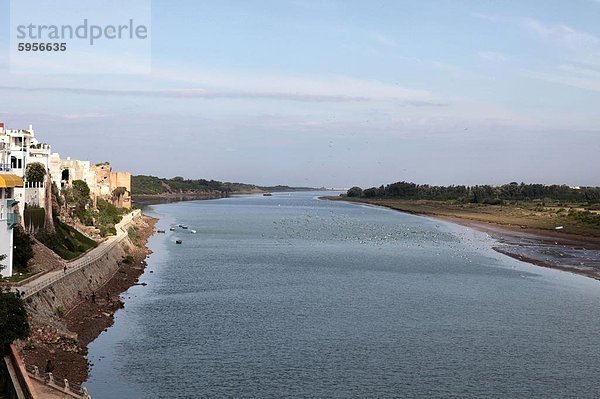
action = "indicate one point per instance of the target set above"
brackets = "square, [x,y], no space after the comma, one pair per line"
[21,152]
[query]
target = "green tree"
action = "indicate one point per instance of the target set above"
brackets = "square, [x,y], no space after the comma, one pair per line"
[2,267]
[355,192]
[81,188]
[35,172]
[13,318]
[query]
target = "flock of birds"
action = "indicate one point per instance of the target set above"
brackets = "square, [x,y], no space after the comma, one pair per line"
[338,228]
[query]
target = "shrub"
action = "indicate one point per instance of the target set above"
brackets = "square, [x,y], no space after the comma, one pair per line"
[13,318]
[355,192]
[107,216]
[128,260]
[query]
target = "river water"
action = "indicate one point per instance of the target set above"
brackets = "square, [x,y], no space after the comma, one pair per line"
[291,296]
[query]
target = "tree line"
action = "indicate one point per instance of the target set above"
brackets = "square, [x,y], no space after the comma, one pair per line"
[141,184]
[481,193]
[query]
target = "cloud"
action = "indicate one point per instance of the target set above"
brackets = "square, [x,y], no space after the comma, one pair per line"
[579,50]
[493,56]
[208,94]
[385,40]
[181,81]
[564,35]
[446,67]
[485,17]
[187,93]
[579,46]
[571,75]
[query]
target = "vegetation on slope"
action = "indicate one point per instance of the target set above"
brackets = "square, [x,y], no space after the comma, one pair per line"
[152,185]
[68,243]
[104,216]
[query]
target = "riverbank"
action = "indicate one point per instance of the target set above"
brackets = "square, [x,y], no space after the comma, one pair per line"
[63,338]
[521,234]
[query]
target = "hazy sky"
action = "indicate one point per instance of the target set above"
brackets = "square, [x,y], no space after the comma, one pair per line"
[338,93]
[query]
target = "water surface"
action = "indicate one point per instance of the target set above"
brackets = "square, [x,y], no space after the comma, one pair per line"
[292,296]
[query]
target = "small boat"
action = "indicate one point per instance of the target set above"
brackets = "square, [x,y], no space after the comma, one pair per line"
[559,227]
[160,231]
[178,242]
[172,229]
[184,227]
[267,194]
[193,231]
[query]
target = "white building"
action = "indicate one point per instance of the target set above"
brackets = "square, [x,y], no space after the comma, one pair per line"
[24,149]
[8,216]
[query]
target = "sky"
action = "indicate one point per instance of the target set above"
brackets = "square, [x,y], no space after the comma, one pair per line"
[336,93]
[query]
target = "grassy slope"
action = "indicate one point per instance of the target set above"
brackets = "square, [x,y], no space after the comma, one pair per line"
[68,243]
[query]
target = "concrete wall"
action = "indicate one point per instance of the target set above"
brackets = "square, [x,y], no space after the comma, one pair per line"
[64,293]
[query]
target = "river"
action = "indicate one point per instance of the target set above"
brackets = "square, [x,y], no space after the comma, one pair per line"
[292,296]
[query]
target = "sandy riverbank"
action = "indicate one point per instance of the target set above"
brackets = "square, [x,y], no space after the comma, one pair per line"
[65,340]
[569,252]
[575,253]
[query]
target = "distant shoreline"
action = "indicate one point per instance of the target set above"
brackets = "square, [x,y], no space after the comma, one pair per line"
[569,252]
[162,198]
[150,199]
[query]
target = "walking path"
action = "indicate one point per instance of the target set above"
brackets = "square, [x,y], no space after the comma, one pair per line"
[90,257]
